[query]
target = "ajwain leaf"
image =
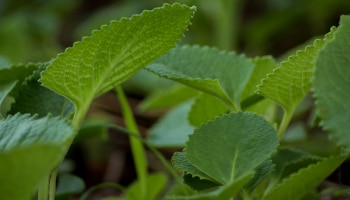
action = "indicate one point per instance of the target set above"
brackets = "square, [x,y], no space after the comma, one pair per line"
[204,108]
[304,180]
[219,73]
[291,81]
[117,51]
[331,85]
[172,129]
[231,146]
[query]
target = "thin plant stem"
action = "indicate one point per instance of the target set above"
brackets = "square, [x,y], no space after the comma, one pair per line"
[287,116]
[137,147]
[47,188]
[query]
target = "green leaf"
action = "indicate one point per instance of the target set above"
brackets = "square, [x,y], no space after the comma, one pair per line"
[69,184]
[155,185]
[172,130]
[222,193]
[256,103]
[204,108]
[22,130]
[34,99]
[180,161]
[17,73]
[219,73]
[24,168]
[291,81]
[304,180]
[331,85]
[261,172]
[5,89]
[167,98]
[30,148]
[231,146]
[111,55]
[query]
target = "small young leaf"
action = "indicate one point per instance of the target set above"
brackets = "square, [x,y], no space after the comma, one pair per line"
[204,108]
[114,53]
[219,73]
[291,81]
[231,146]
[173,129]
[331,85]
[304,180]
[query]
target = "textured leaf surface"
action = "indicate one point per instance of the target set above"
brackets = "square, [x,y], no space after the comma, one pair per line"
[35,99]
[222,74]
[332,82]
[17,73]
[204,108]
[261,172]
[22,130]
[173,129]
[30,148]
[114,53]
[231,146]
[304,180]
[291,81]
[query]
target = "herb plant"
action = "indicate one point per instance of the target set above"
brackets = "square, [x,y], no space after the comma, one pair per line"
[225,112]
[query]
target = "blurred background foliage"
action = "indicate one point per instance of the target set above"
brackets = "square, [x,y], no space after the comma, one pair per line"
[36,30]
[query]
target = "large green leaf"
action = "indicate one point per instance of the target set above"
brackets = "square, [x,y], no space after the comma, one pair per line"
[291,81]
[331,84]
[30,148]
[219,73]
[111,55]
[231,146]
[299,184]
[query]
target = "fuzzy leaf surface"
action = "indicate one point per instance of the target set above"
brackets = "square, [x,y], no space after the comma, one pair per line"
[115,52]
[304,180]
[331,85]
[291,81]
[219,73]
[231,145]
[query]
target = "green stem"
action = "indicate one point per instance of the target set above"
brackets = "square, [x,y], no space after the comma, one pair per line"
[287,116]
[137,148]
[47,188]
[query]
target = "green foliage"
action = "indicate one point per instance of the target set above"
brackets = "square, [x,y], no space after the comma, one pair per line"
[30,147]
[223,118]
[331,84]
[114,53]
[185,64]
